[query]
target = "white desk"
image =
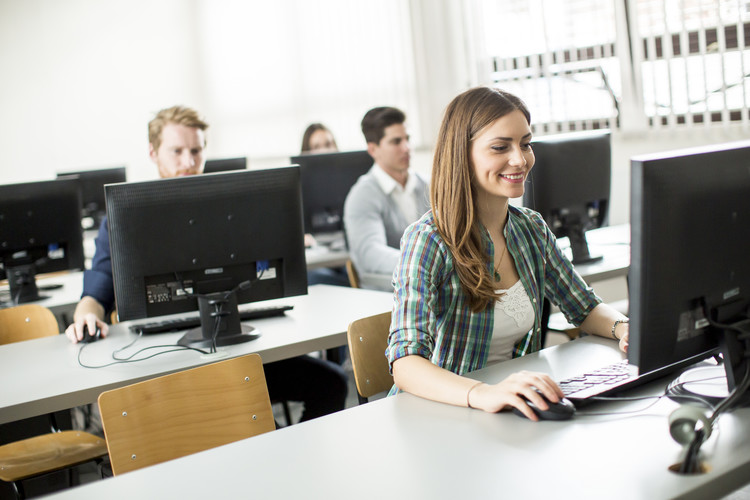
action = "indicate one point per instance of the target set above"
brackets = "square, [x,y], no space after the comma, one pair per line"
[612,243]
[321,256]
[407,447]
[46,375]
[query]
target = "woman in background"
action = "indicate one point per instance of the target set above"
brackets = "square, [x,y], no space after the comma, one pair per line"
[318,139]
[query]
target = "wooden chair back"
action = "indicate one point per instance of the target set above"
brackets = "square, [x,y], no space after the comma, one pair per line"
[186,412]
[351,273]
[39,455]
[368,339]
[26,322]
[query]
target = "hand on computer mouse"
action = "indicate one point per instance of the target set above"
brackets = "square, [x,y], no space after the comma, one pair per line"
[514,391]
[89,337]
[75,330]
[562,410]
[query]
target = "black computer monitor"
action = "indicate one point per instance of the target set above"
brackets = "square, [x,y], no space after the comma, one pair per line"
[569,185]
[207,242]
[92,190]
[225,165]
[326,180]
[40,232]
[689,275]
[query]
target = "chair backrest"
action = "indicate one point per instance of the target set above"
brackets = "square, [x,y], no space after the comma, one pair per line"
[368,339]
[186,412]
[351,273]
[25,322]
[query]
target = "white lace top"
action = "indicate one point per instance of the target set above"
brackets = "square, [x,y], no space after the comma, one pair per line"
[514,317]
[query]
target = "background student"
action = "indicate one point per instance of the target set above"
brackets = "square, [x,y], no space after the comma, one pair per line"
[176,144]
[384,201]
[474,270]
[318,139]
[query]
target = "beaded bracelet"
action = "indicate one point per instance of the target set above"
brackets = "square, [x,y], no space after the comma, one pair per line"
[617,322]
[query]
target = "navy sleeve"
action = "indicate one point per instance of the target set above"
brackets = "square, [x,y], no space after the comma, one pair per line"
[97,281]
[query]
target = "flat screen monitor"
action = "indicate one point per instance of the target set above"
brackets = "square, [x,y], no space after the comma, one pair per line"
[40,232]
[326,180]
[569,185]
[689,280]
[207,243]
[92,191]
[224,165]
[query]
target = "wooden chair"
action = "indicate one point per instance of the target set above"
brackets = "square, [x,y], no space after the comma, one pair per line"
[368,339]
[351,273]
[59,450]
[186,412]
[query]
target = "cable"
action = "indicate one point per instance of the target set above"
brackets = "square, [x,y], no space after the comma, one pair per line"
[645,398]
[690,464]
[129,359]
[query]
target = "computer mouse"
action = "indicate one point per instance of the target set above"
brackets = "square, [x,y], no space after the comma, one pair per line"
[563,410]
[87,337]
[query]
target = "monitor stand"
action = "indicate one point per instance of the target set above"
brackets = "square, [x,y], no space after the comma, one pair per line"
[22,282]
[220,323]
[578,244]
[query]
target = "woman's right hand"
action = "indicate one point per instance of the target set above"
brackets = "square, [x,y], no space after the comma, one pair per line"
[512,391]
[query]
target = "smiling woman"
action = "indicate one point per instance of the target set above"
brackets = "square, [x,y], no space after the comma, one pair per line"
[474,271]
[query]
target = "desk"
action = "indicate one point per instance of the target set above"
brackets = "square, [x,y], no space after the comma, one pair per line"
[47,376]
[322,256]
[407,447]
[61,301]
[612,243]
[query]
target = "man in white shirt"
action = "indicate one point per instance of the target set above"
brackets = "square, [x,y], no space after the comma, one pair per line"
[383,202]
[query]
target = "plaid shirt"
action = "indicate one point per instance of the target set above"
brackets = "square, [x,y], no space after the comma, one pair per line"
[431,314]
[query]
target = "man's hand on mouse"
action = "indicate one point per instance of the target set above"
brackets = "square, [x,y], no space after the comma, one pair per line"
[74,332]
[512,391]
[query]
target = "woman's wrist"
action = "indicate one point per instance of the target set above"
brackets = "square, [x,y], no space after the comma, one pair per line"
[615,325]
[468,394]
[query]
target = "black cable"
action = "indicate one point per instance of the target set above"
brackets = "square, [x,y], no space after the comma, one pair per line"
[644,398]
[129,359]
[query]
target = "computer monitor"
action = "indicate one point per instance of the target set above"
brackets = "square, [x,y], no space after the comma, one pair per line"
[689,278]
[569,185]
[225,165]
[326,180]
[40,232]
[208,243]
[92,191]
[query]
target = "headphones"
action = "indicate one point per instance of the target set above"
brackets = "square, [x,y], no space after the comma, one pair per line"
[684,424]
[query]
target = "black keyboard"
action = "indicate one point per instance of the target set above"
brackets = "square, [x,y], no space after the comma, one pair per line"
[602,381]
[193,321]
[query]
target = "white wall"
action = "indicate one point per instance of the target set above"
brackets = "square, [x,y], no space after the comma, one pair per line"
[80,80]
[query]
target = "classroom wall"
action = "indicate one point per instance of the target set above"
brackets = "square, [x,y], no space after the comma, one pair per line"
[81,78]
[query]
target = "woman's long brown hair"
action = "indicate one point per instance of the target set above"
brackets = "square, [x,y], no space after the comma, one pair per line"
[452,194]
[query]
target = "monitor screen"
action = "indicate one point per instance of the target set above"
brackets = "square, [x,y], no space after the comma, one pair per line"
[177,241]
[690,255]
[326,180]
[92,190]
[40,232]
[569,185]
[224,165]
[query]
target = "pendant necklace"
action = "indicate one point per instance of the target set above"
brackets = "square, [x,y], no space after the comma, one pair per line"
[495,268]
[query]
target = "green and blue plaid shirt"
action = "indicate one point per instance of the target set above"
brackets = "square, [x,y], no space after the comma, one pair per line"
[431,313]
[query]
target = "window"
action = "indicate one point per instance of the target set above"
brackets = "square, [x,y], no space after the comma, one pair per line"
[693,61]
[687,58]
[555,54]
